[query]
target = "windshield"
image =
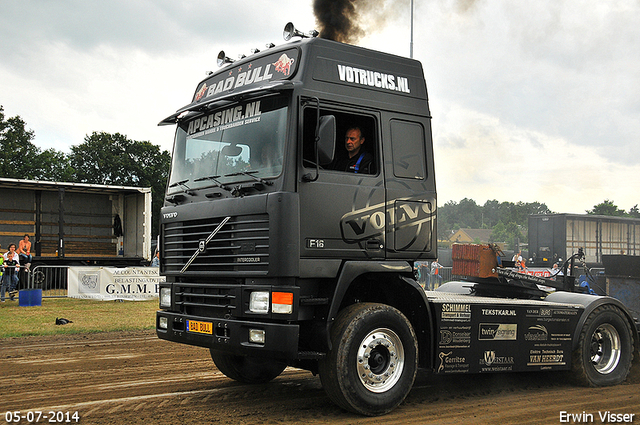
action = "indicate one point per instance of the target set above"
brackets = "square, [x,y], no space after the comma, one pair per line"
[237,142]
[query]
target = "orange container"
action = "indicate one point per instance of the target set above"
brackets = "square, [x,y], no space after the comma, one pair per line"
[474,260]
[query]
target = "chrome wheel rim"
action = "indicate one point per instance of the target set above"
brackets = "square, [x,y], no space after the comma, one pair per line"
[605,349]
[380,360]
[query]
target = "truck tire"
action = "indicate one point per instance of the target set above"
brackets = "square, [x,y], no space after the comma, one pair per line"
[605,348]
[249,370]
[373,361]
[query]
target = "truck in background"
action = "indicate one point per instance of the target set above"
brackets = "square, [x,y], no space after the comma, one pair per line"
[554,237]
[77,224]
[275,257]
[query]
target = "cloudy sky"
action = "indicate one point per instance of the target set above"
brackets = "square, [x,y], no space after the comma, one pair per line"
[531,100]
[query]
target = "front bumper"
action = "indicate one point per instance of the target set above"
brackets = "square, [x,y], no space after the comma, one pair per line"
[281,339]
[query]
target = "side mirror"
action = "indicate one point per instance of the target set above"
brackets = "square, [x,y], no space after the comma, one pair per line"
[326,139]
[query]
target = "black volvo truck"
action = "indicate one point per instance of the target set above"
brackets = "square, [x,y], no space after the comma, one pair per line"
[277,255]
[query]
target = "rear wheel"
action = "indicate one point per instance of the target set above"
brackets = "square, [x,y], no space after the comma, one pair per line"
[249,370]
[605,348]
[373,361]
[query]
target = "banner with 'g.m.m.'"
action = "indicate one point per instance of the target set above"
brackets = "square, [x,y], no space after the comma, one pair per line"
[111,283]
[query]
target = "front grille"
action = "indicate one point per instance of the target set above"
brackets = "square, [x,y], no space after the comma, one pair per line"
[205,299]
[241,245]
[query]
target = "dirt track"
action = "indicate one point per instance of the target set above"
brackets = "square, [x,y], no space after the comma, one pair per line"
[135,378]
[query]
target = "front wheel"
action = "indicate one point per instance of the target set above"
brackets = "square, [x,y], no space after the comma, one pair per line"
[605,348]
[373,361]
[249,370]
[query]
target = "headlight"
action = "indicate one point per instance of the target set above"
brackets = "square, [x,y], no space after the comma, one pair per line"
[165,297]
[259,302]
[163,323]
[257,336]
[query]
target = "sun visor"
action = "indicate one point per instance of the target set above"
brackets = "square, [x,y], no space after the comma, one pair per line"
[170,120]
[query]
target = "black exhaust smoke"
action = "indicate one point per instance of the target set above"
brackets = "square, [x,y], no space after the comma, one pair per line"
[347,21]
[337,20]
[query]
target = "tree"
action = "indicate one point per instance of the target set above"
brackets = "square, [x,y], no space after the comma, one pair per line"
[498,233]
[490,213]
[18,155]
[21,159]
[446,217]
[467,214]
[634,211]
[113,159]
[454,216]
[103,159]
[470,214]
[54,166]
[607,207]
[509,233]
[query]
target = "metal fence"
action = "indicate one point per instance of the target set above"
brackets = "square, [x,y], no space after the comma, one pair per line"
[431,280]
[51,279]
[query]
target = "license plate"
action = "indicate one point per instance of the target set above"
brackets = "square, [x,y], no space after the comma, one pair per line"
[199,327]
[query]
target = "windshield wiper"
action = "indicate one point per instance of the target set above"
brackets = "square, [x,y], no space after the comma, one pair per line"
[250,174]
[213,179]
[181,183]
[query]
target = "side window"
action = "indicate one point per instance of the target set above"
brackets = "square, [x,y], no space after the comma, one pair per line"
[358,154]
[407,144]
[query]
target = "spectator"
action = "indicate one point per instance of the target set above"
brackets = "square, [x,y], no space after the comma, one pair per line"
[10,278]
[435,280]
[519,262]
[556,271]
[24,251]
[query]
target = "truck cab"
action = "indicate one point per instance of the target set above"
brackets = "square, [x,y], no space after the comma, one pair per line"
[258,147]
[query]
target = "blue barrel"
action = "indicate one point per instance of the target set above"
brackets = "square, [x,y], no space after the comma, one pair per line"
[30,297]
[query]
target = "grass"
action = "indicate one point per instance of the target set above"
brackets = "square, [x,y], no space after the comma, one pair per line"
[88,316]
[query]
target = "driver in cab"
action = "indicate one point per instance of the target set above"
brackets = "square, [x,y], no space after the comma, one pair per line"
[357,159]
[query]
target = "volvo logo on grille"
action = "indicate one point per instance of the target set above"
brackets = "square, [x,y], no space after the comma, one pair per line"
[202,245]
